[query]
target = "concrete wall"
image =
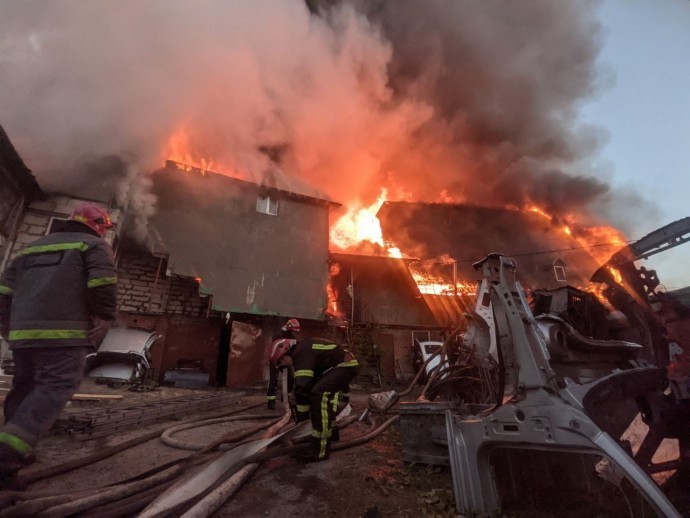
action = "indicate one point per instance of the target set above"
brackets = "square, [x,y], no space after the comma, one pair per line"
[402,354]
[252,262]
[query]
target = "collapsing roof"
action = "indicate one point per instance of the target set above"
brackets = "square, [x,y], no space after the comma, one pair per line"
[468,233]
[255,249]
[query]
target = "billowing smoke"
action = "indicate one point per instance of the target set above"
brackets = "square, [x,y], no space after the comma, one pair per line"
[504,80]
[473,101]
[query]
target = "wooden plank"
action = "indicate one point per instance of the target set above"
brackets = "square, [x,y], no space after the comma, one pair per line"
[78,397]
[88,397]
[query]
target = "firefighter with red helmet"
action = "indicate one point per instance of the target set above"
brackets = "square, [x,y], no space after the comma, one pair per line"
[322,369]
[286,331]
[58,299]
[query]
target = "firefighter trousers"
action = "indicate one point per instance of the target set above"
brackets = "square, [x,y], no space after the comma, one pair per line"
[322,407]
[44,381]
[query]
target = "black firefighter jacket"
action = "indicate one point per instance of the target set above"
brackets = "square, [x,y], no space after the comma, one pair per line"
[311,359]
[55,287]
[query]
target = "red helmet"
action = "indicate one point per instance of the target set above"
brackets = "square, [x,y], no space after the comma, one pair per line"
[291,325]
[280,348]
[93,217]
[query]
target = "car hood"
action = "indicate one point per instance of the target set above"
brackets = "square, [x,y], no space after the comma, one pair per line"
[124,340]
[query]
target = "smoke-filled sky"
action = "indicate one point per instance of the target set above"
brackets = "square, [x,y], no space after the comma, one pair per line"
[646,113]
[475,101]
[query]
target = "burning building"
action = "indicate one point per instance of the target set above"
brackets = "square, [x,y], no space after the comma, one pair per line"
[225,261]
[460,234]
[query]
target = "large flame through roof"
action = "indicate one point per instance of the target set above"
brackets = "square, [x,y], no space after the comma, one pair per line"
[360,226]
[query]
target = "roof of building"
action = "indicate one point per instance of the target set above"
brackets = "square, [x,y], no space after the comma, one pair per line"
[12,165]
[274,181]
[383,289]
[467,233]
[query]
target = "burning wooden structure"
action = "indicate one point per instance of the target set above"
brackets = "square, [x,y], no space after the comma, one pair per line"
[376,297]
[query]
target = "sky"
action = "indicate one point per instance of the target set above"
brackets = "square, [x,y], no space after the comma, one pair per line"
[645,110]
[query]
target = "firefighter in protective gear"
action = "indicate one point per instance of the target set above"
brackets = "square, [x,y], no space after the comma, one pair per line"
[286,331]
[322,369]
[57,300]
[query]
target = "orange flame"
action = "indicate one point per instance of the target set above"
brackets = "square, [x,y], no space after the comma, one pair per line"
[599,241]
[361,224]
[429,284]
[616,275]
[178,151]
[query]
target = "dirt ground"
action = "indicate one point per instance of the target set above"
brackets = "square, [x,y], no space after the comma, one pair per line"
[365,481]
[368,480]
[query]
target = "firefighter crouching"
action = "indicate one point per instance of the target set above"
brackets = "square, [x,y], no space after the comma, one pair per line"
[57,301]
[322,369]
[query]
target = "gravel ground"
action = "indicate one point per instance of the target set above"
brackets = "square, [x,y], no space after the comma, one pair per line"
[369,480]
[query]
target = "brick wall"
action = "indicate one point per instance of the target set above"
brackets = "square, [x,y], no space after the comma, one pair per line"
[144,287]
[38,216]
[169,305]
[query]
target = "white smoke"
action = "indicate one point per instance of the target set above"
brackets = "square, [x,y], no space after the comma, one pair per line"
[472,101]
[82,80]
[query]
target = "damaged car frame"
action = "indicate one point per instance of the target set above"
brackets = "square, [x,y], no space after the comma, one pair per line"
[552,436]
[123,357]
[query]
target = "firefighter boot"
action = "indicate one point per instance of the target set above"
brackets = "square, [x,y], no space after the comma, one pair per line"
[314,453]
[14,455]
[303,453]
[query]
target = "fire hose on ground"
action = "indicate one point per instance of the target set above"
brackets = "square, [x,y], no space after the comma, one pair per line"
[129,496]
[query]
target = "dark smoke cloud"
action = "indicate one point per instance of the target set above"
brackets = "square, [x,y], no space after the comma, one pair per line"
[505,80]
[472,101]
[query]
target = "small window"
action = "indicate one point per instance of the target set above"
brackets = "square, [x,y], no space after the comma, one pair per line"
[559,272]
[267,205]
[55,224]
